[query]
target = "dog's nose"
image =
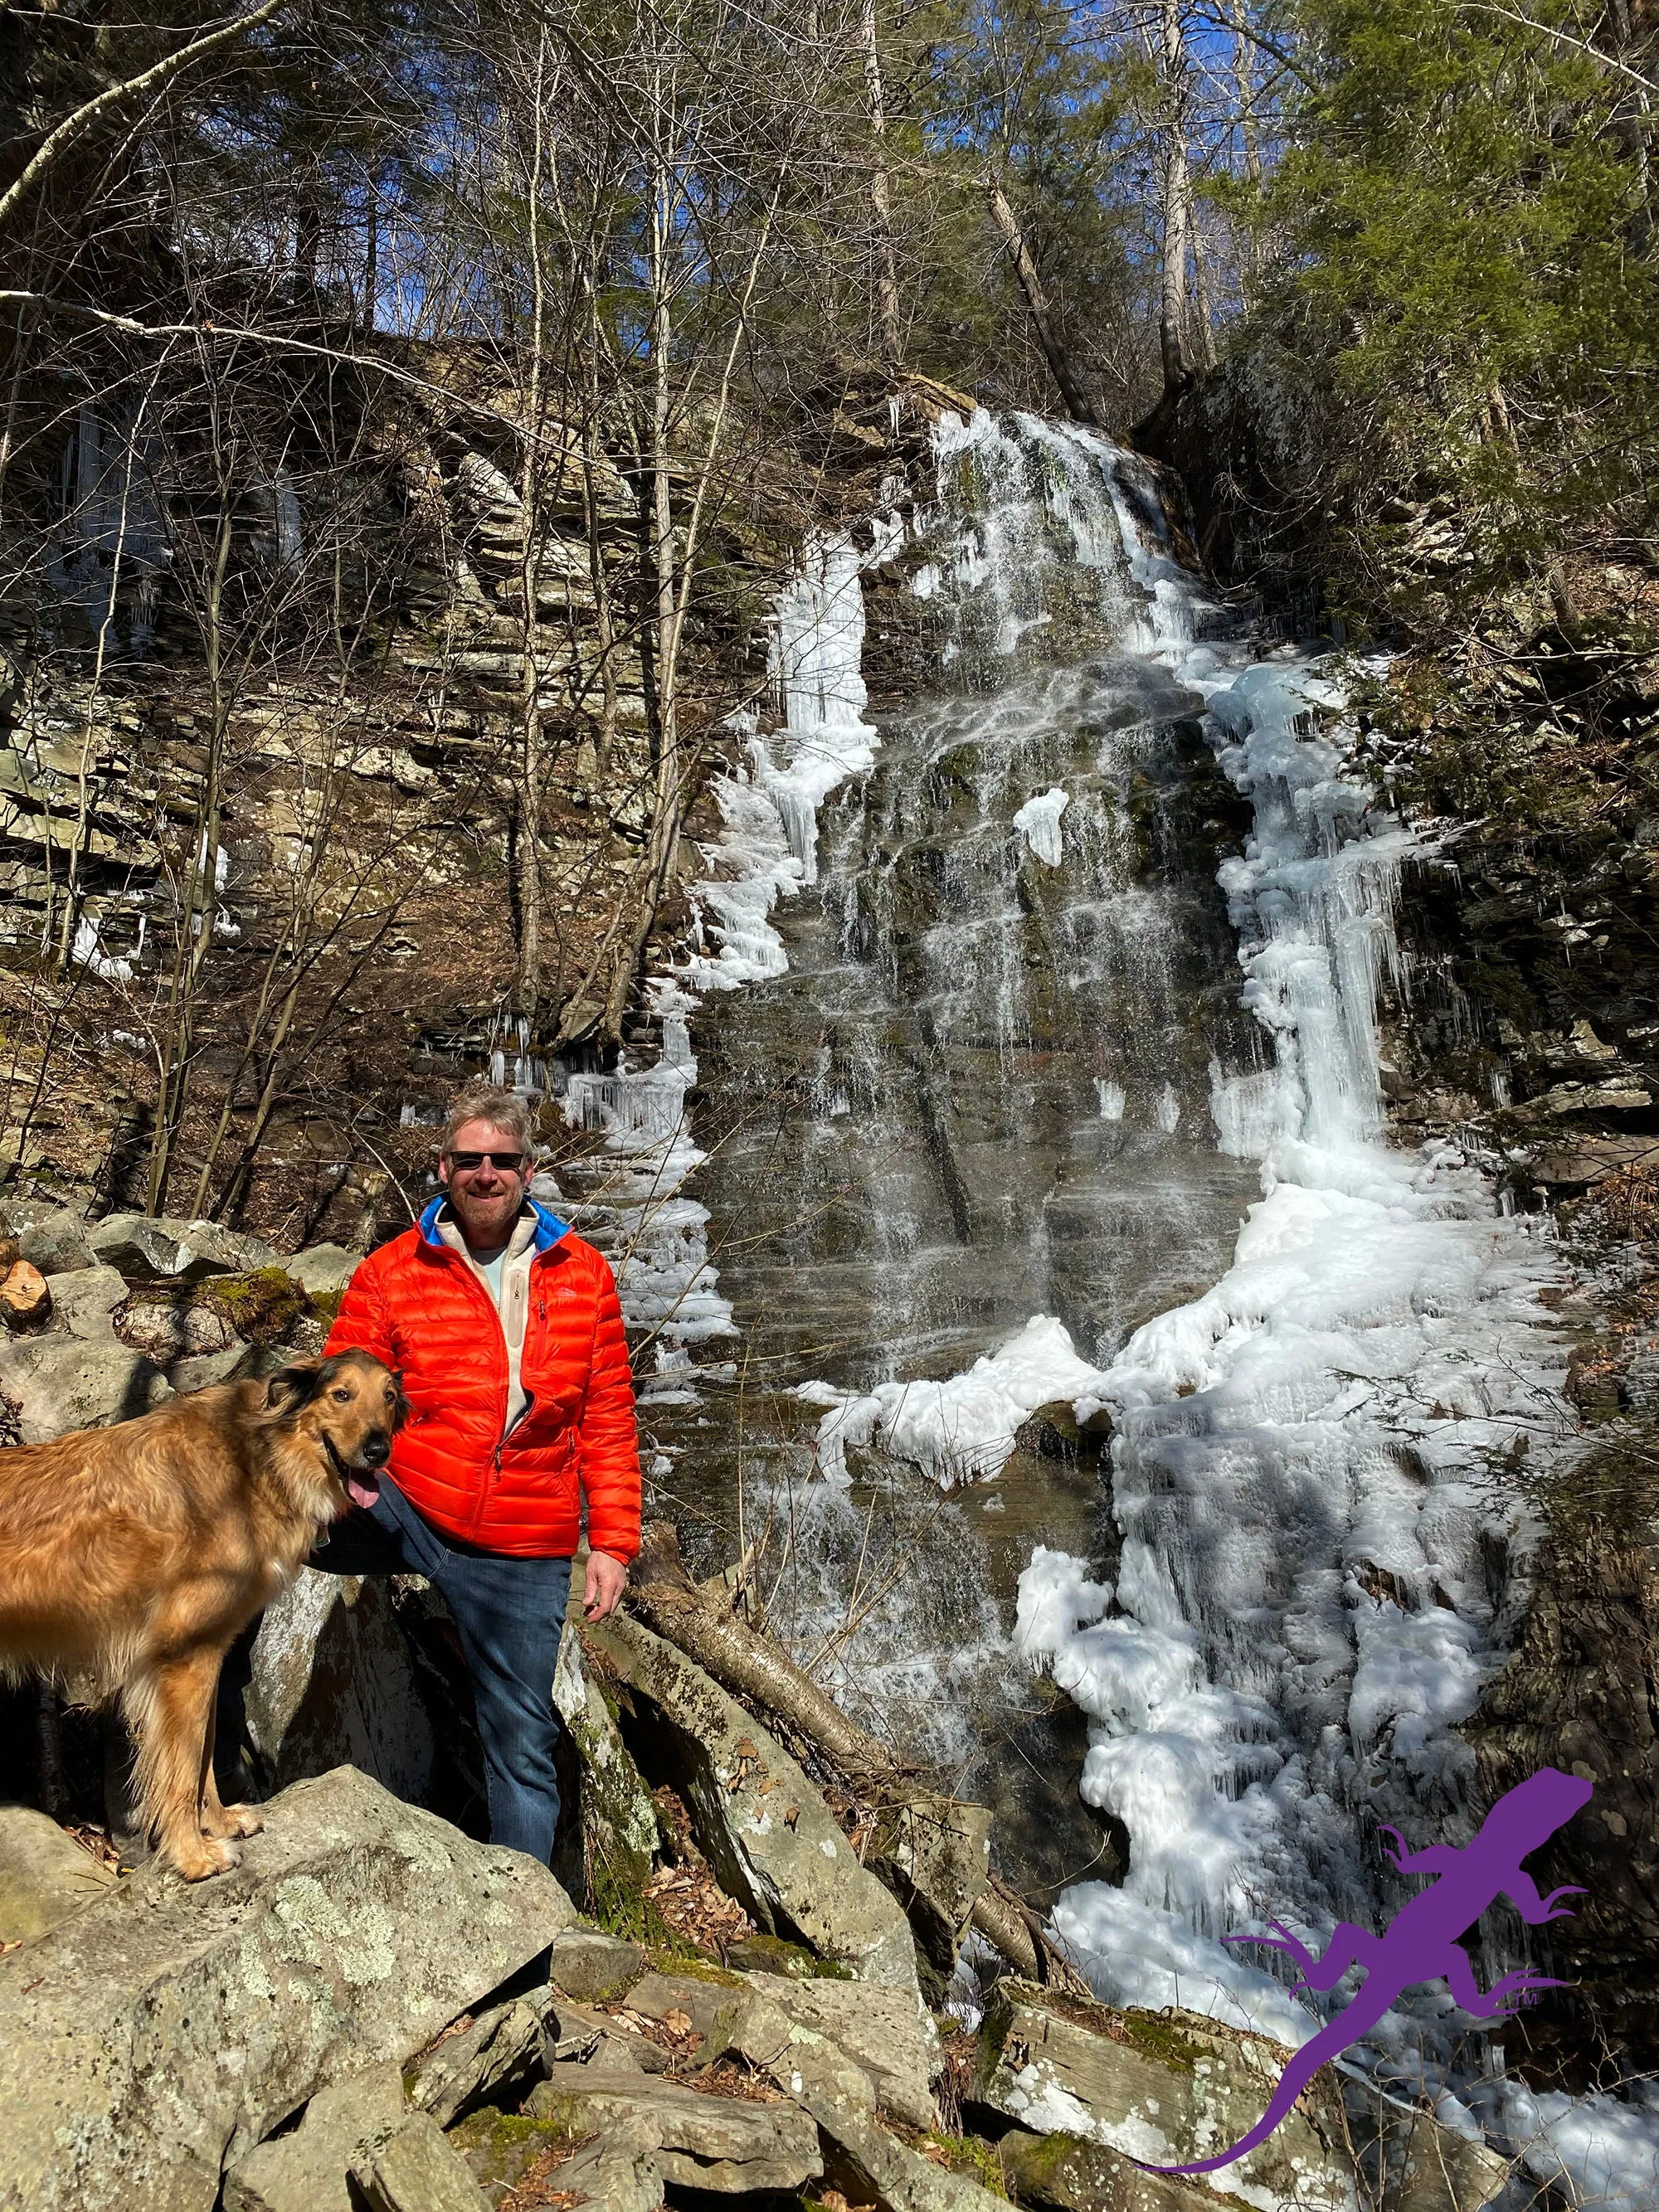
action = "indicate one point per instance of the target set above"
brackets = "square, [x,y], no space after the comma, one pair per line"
[377,1451]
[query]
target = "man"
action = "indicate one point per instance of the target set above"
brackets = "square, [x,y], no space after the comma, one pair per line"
[505,1329]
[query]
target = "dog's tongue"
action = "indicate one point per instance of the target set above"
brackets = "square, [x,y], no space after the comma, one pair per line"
[363,1489]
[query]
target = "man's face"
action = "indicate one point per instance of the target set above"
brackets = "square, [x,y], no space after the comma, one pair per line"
[484,1197]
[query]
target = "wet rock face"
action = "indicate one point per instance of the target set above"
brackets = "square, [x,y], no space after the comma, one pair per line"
[981,1090]
[1581,1693]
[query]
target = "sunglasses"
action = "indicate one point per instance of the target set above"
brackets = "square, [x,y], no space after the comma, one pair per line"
[508,1163]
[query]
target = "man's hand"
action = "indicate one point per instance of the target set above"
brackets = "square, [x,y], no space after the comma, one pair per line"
[607,1578]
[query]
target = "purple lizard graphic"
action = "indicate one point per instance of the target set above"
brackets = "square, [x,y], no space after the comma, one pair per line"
[1420,1943]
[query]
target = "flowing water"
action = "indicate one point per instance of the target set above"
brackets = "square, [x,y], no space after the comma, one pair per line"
[1033,1055]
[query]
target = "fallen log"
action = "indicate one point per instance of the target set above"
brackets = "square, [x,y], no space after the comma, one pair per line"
[754,1667]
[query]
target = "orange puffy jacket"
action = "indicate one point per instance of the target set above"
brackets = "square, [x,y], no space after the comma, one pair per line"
[416,1305]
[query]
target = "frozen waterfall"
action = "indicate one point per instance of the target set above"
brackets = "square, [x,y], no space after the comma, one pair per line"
[1057,1077]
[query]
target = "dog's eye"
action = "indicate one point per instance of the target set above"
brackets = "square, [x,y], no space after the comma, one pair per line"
[341,1397]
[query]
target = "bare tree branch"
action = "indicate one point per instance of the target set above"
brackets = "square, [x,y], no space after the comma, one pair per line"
[146,81]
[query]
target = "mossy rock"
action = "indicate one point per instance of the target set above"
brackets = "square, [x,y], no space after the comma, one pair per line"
[673,1958]
[262,1306]
[1074,2175]
[971,2157]
[760,1953]
[1159,2038]
[500,2146]
[1153,2033]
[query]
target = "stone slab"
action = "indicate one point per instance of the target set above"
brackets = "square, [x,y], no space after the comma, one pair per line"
[773,1842]
[502,2048]
[305,2171]
[727,2144]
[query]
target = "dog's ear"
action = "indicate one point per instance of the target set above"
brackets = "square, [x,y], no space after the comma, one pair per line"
[293,1386]
[402,1409]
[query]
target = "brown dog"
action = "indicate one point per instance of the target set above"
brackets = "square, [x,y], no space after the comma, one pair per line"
[135,1555]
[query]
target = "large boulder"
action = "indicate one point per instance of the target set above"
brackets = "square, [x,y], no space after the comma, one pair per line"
[1069,2173]
[773,1842]
[334,1684]
[165,1330]
[886,2032]
[588,1964]
[53,1385]
[417,2170]
[51,1238]
[1162,2086]
[44,1874]
[157,2037]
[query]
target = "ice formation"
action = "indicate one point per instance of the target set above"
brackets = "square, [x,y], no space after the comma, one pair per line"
[1039,818]
[964,1428]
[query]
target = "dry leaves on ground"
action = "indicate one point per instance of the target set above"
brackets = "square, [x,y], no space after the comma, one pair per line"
[693,1906]
[536,2186]
[674,2033]
[94,1840]
[697,1909]
[734,2077]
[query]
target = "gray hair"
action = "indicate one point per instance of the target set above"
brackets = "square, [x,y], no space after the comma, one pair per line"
[491,1102]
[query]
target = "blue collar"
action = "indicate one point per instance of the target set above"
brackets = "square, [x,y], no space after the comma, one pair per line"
[549,1227]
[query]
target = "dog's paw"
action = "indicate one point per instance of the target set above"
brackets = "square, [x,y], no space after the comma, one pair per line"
[201,1865]
[242,1821]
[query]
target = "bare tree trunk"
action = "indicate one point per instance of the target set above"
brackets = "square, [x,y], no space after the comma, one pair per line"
[1248,245]
[201,872]
[888,319]
[1205,336]
[598,571]
[1177,206]
[532,767]
[1078,402]
[1244,83]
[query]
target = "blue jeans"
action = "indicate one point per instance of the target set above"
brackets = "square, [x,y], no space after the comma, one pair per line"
[509,1613]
